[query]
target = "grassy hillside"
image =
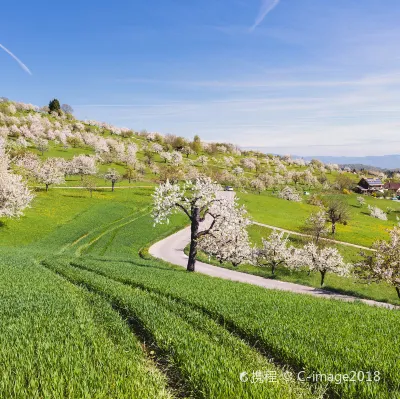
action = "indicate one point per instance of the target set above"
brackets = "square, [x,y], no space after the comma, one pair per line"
[87,313]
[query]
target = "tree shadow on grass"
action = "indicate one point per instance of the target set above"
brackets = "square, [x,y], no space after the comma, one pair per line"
[75,196]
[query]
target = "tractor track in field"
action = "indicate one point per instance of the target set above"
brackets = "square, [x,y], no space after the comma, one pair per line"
[104,230]
[141,213]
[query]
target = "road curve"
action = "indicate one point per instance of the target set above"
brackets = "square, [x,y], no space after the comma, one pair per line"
[171,249]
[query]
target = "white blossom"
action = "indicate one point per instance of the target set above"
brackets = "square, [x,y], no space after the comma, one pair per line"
[289,194]
[377,213]
[322,260]
[49,172]
[274,251]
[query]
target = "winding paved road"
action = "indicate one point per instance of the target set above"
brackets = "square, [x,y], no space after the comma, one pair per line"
[171,249]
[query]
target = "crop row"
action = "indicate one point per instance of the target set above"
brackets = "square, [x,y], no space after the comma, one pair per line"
[58,340]
[207,359]
[317,335]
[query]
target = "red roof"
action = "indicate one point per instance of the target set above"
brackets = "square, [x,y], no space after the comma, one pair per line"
[392,186]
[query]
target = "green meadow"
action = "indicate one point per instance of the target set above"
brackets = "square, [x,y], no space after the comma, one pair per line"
[86,312]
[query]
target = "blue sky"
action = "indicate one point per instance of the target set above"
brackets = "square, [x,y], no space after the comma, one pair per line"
[307,77]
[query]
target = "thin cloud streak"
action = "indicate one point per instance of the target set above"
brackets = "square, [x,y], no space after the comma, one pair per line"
[266,7]
[378,80]
[21,64]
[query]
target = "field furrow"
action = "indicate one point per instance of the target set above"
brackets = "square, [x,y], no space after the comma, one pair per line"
[210,359]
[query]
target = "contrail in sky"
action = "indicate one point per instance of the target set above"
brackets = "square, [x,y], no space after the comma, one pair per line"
[21,64]
[266,7]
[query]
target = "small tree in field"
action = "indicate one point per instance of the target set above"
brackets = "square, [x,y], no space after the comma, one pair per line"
[316,226]
[89,182]
[42,145]
[289,194]
[377,213]
[198,200]
[384,264]
[274,251]
[131,174]
[113,176]
[49,173]
[337,211]
[361,201]
[323,260]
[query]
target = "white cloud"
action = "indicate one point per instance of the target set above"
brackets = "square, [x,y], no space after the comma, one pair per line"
[21,64]
[266,7]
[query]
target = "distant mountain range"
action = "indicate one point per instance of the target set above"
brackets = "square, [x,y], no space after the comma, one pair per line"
[380,162]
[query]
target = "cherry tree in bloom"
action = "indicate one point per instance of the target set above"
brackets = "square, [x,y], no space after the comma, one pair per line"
[257,185]
[157,148]
[322,260]
[29,162]
[202,160]
[249,163]
[42,145]
[361,201]
[315,225]
[166,156]
[237,171]
[11,109]
[49,172]
[187,151]
[229,240]
[131,151]
[200,200]
[14,194]
[83,165]
[274,251]
[176,158]
[289,194]
[113,176]
[228,161]
[384,264]
[377,213]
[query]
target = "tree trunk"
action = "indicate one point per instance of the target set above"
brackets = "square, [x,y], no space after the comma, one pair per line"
[273,267]
[47,187]
[91,193]
[398,291]
[333,228]
[322,278]
[112,186]
[193,240]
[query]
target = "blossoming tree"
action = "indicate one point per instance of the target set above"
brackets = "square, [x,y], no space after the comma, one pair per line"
[323,260]
[384,263]
[113,176]
[229,240]
[49,173]
[274,251]
[377,213]
[14,194]
[201,201]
